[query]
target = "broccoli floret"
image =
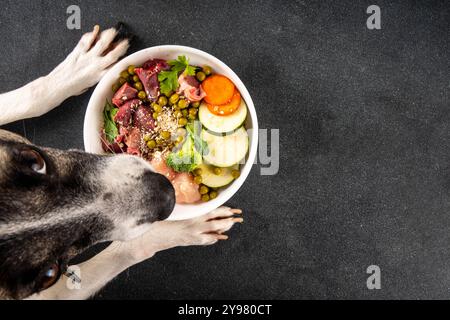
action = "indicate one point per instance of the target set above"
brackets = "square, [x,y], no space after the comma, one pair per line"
[186,159]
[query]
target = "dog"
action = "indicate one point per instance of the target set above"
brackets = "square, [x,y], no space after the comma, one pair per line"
[55,204]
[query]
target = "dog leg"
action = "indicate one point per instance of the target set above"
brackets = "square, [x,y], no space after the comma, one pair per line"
[162,235]
[82,68]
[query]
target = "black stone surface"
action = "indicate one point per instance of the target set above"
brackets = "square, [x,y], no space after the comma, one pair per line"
[364,133]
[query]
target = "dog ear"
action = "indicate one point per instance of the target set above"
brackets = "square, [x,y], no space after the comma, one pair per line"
[12,137]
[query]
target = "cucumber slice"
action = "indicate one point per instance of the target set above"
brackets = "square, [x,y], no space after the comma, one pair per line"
[210,179]
[221,124]
[225,151]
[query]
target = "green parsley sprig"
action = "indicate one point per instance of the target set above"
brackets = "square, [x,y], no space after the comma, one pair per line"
[168,79]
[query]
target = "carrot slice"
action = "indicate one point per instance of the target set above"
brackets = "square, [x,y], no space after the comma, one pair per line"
[219,89]
[227,108]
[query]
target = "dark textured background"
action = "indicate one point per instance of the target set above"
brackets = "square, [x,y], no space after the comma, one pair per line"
[364,132]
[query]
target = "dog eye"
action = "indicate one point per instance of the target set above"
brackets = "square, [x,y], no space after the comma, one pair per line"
[51,275]
[34,160]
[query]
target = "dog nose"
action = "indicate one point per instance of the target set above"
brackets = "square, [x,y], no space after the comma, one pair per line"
[164,194]
[168,198]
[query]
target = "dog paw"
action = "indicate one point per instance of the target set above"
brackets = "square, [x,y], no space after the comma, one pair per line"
[204,230]
[95,53]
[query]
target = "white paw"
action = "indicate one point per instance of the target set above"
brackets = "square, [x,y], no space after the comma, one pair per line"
[207,229]
[90,60]
[204,230]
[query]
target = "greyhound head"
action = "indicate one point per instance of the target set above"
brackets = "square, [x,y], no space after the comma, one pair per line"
[55,204]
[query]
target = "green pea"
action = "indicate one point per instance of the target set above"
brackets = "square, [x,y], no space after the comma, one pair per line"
[193,111]
[115,87]
[207,70]
[131,69]
[122,81]
[124,74]
[198,171]
[235,174]
[162,101]
[155,115]
[212,195]
[138,86]
[205,198]
[147,138]
[174,98]
[203,189]
[192,117]
[151,144]
[182,121]
[157,108]
[142,95]
[136,78]
[195,104]
[182,104]
[198,179]
[200,76]
[180,139]
[165,135]
[177,113]
[184,112]
[217,171]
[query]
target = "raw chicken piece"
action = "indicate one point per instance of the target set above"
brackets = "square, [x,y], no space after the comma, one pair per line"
[126,92]
[186,190]
[159,165]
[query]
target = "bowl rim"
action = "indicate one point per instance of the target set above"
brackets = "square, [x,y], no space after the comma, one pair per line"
[229,191]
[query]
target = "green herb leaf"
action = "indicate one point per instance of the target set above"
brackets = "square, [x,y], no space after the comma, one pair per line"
[168,80]
[190,70]
[110,128]
[180,64]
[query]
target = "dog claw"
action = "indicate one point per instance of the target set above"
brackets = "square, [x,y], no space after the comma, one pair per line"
[222,237]
[236,211]
[123,32]
[237,220]
[222,212]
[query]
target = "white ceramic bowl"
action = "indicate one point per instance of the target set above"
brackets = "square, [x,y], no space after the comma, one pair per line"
[93,121]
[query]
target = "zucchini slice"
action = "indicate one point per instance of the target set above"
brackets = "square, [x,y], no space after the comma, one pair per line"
[226,150]
[212,180]
[222,124]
